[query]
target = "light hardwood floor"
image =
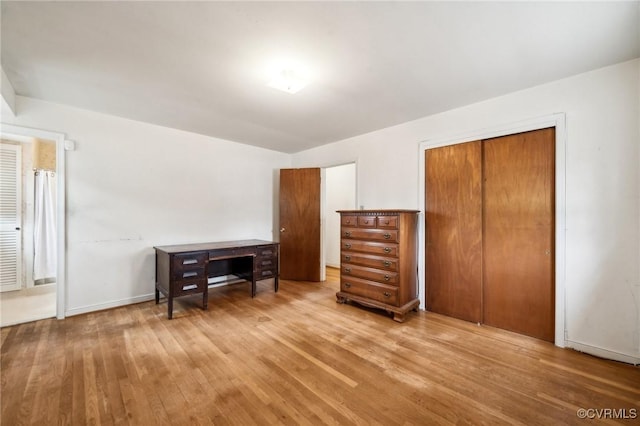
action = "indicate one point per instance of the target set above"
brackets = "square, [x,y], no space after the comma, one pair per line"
[296,357]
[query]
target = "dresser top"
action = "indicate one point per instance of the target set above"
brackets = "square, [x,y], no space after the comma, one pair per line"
[378,211]
[180,248]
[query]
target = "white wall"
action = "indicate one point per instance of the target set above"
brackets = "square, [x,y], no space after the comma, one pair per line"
[131,186]
[341,195]
[602,189]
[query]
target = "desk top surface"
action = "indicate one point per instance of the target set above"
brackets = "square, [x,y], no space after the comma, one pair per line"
[180,248]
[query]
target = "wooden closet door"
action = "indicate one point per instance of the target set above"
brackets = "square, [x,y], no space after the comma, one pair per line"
[453,230]
[518,238]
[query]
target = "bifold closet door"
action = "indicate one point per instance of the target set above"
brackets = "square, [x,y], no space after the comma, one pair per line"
[518,233]
[453,194]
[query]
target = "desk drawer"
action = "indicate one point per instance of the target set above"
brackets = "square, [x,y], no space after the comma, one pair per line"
[188,260]
[229,253]
[267,251]
[188,273]
[184,287]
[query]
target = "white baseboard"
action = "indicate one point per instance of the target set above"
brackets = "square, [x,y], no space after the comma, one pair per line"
[109,305]
[604,353]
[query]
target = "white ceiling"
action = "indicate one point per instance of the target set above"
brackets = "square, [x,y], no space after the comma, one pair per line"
[202,66]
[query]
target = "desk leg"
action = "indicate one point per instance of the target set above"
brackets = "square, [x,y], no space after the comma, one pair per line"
[157,296]
[205,298]
[253,278]
[275,285]
[170,307]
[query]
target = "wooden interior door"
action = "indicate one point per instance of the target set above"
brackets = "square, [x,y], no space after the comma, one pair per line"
[453,194]
[300,224]
[519,235]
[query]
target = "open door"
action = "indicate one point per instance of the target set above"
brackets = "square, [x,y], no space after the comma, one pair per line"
[300,224]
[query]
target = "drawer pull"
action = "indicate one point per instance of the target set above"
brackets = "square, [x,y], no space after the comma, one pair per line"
[387,236]
[386,222]
[347,234]
[387,277]
[347,285]
[266,262]
[347,258]
[347,270]
[189,287]
[387,263]
[366,222]
[190,274]
[347,245]
[265,273]
[189,261]
[387,294]
[387,250]
[267,253]
[348,221]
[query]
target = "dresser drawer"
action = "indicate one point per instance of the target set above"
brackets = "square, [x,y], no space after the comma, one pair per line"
[349,220]
[370,234]
[379,262]
[367,221]
[386,249]
[183,287]
[385,277]
[185,273]
[372,290]
[188,260]
[388,222]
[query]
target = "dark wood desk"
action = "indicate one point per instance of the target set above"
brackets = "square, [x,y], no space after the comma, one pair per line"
[186,268]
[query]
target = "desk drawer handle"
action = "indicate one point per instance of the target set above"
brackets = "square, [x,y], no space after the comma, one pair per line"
[347,234]
[387,294]
[347,285]
[387,250]
[387,277]
[348,245]
[190,274]
[387,236]
[189,261]
[387,263]
[267,253]
[266,262]
[265,273]
[347,270]
[189,287]
[347,258]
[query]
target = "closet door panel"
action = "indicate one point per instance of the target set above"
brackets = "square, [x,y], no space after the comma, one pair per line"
[518,238]
[453,229]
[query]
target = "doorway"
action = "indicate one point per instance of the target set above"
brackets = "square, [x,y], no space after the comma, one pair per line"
[39,295]
[308,222]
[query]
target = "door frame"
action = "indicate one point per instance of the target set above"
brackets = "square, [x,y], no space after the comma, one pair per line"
[9,131]
[557,120]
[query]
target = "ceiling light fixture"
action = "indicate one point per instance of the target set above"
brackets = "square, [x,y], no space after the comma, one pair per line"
[289,81]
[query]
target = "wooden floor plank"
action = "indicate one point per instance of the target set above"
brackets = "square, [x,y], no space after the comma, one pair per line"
[295,357]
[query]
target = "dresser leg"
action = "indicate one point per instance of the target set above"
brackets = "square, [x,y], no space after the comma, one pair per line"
[398,317]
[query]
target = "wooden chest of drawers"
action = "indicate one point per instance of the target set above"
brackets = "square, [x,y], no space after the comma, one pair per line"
[378,259]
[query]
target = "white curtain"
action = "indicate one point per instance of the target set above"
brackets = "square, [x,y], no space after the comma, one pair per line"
[44,231]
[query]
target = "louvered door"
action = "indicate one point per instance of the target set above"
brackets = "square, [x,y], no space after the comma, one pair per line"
[10,217]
